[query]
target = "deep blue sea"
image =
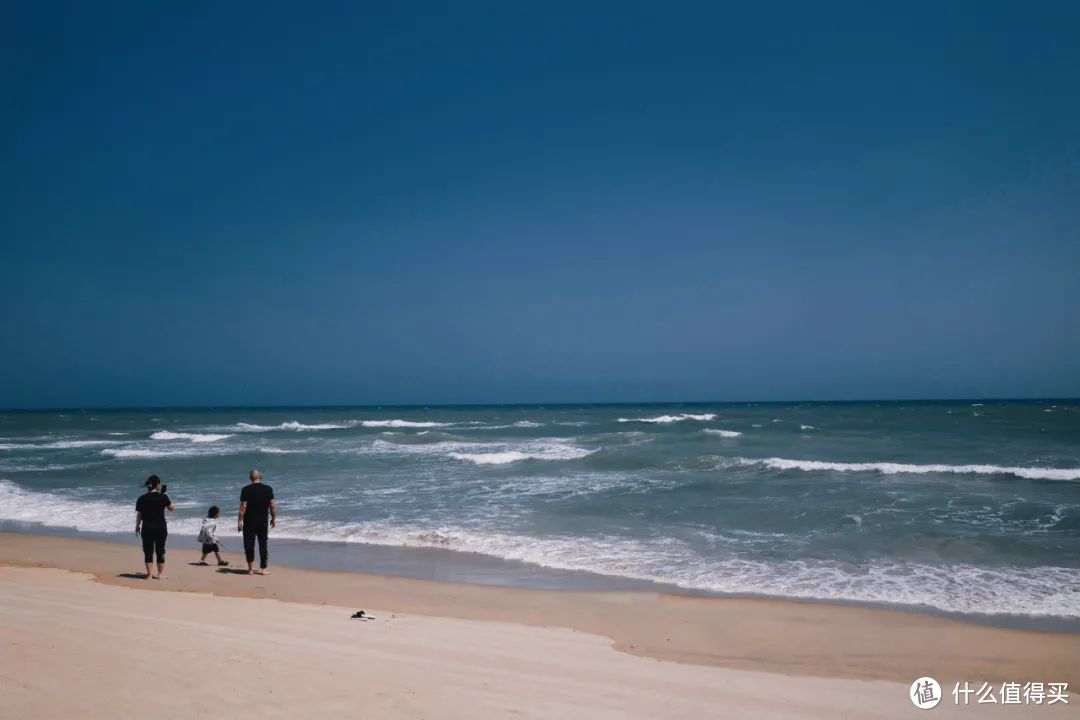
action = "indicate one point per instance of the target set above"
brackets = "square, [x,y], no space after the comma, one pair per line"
[968,507]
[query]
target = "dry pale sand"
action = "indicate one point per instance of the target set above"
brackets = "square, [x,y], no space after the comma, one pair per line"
[72,645]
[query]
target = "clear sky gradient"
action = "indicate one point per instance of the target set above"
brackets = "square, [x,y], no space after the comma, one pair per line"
[281,203]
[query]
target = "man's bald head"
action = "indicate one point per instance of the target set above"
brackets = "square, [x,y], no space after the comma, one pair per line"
[255,476]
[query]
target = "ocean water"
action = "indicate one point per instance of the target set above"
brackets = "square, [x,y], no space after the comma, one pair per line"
[964,507]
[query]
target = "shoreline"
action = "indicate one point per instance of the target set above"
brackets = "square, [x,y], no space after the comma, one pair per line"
[776,636]
[447,565]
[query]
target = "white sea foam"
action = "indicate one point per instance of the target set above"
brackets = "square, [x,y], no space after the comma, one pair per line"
[891,468]
[279,451]
[193,437]
[291,425]
[58,445]
[664,419]
[65,511]
[1036,591]
[295,426]
[143,453]
[807,427]
[402,424]
[489,453]
[175,450]
[723,433]
[1040,591]
[519,424]
[550,452]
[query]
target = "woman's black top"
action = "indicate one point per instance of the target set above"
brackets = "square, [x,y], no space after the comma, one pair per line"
[152,505]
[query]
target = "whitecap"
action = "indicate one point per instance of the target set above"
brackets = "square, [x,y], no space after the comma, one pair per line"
[292,425]
[519,424]
[495,453]
[142,453]
[193,437]
[553,452]
[891,468]
[58,445]
[402,424]
[722,433]
[664,419]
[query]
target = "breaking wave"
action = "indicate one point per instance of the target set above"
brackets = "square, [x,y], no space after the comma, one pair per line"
[489,453]
[553,452]
[193,437]
[295,426]
[664,419]
[401,424]
[291,425]
[722,433]
[58,445]
[889,468]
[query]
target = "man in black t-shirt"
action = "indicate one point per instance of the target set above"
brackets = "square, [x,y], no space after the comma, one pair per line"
[150,523]
[256,503]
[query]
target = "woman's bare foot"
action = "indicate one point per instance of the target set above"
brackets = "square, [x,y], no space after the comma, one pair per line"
[162,577]
[264,571]
[251,572]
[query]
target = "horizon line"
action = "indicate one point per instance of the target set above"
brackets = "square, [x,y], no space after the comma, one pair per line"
[657,403]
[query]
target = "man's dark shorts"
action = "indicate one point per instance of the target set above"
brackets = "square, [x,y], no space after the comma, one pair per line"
[208,548]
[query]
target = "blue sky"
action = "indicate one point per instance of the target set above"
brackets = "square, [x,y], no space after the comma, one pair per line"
[226,203]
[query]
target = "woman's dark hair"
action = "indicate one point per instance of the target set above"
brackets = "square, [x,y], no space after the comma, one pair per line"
[213,512]
[152,482]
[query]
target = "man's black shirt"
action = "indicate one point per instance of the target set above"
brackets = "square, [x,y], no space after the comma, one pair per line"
[258,497]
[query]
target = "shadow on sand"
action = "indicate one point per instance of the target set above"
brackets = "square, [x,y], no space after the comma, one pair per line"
[132,576]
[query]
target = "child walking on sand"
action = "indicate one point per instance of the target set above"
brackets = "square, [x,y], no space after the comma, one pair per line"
[208,536]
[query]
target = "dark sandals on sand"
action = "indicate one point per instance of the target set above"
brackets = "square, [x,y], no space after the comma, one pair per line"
[223,563]
[361,615]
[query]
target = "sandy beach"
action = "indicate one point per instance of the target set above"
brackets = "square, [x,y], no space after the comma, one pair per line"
[208,642]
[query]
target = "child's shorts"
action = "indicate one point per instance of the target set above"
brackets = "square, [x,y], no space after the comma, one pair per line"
[208,548]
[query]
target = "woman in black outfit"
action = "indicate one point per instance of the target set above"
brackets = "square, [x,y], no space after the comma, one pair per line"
[150,523]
